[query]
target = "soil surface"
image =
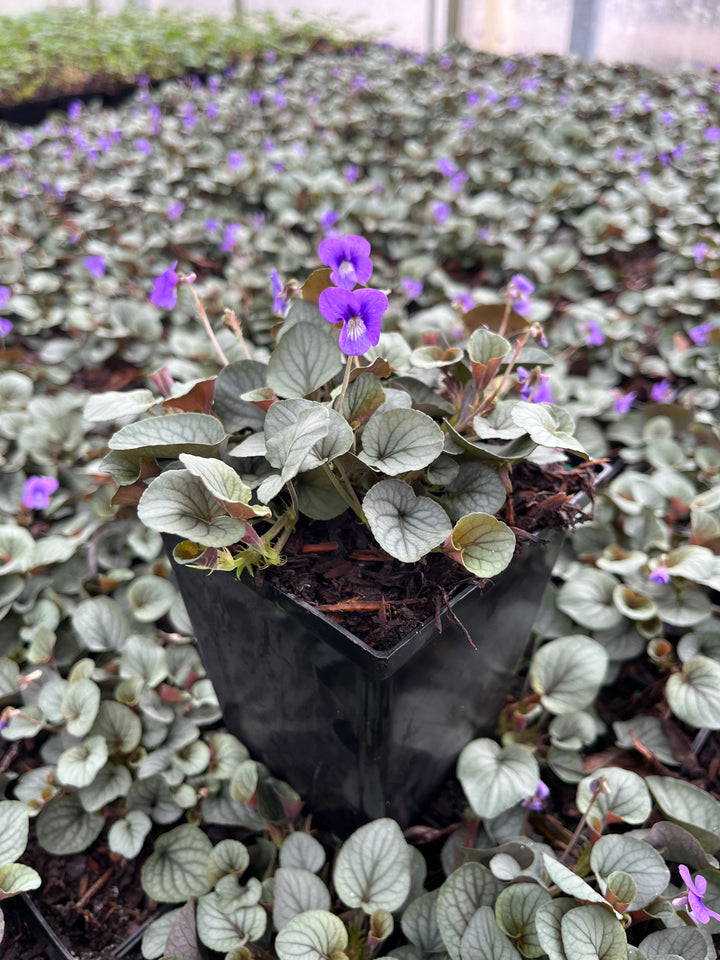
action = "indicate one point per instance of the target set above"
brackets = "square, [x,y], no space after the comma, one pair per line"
[338,568]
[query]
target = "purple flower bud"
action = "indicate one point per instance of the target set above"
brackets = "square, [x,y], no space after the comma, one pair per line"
[595,337]
[280,304]
[660,574]
[351,173]
[4,296]
[700,334]
[175,211]
[37,492]
[441,211]
[235,160]
[231,231]
[164,293]
[712,134]
[472,98]
[95,266]
[700,251]
[329,219]
[74,109]
[623,402]
[143,146]
[211,111]
[413,288]
[446,167]
[662,392]
[514,102]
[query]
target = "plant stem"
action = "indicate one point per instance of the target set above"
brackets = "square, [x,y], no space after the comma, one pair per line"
[600,787]
[346,380]
[208,329]
[502,386]
[504,321]
[234,324]
[342,490]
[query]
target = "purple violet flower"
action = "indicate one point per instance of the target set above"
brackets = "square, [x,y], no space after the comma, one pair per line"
[712,134]
[143,146]
[74,109]
[700,251]
[667,117]
[696,891]
[230,237]
[95,266]
[700,335]
[175,211]
[280,304]
[328,220]
[446,167]
[349,258]
[623,402]
[594,337]
[235,160]
[456,183]
[4,296]
[351,173]
[413,288]
[255,97]
[514,102]
[361,314]
[535,802]
[37,492]
[472,98]
[5,327]
[662,392]
[660,574]
[537,391]
[164,293]
[617,110]
[211,111]
[441,211]
[211,225]
[519,290]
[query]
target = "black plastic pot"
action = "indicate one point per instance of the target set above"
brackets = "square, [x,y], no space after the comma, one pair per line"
[359,733]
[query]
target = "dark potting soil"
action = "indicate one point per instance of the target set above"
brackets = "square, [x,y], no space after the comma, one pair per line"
[93,900]
[337,567]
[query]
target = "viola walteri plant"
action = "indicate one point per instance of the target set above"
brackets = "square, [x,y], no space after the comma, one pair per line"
[417,439]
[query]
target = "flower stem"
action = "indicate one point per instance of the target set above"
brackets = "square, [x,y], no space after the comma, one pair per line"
[209,330]
[601,786]
[232,321]
[343,491]
[504,321]
[346,381]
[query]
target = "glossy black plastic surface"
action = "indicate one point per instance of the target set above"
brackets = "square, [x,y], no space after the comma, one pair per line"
[361,734]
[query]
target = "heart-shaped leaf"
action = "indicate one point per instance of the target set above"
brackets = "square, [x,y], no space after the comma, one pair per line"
[592,933]
[63,827]
[80,706]
[684,942]
[486,544]
[313,935]
[634,857]
[690,806]
[116,404]
[228,931]
[223,483]
[305,358]
[484,940]
[466,889]
[569,883]
[496,778]
[303,851]
[175,870]
[515,911]
[626,797]
[295,891]
[167,437]
[229,857]
[568,672]
[14,825]
[151,597]
[176,502]
[398,441]
[78,766]
[587,597]
[16,878]
[127,835]
[100,624]
[111,781]
[372,868]
[694,693]
[232,382]
[120,727]
[548,426]
[476,488]
[547,925]
[419,923]
[406,526]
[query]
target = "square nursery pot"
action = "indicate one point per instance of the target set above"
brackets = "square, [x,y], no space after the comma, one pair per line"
[359,733]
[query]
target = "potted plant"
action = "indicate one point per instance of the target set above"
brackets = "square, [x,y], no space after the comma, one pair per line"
[431,465]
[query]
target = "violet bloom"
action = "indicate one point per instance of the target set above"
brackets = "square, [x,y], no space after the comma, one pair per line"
[446,167]
[211,225]
[457,182]
[492,96]
[37,492]
[255,97]
[472,98]
[4,296]
[413,288]
[660,574]
[235,160]
[280,99]
[534,388]
[623,402]
[211,111]
[441,211]
[662,392]
[5,327]
[164,293]
[696,891]
[519,291]
[351,173]
[619,155]
[712,134]
[143,146]
[175,211]
[700,335]
[466,301]
[535,802]
[514,102]
[617,110]
[678,151]
[74,109]
[700,251]
[594,337]
[280,304]
[361,314]
[329,219]
[349,260]
[230,237]
[667,117]
[95,266]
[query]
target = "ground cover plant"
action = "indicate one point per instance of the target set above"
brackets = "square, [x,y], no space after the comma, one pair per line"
[590,826]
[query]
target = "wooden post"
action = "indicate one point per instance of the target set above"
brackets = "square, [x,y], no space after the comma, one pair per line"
[583,35]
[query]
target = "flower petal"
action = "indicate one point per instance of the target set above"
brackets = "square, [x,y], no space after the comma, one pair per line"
[337,304]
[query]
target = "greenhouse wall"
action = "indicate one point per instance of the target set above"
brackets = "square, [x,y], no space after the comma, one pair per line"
[660,33]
